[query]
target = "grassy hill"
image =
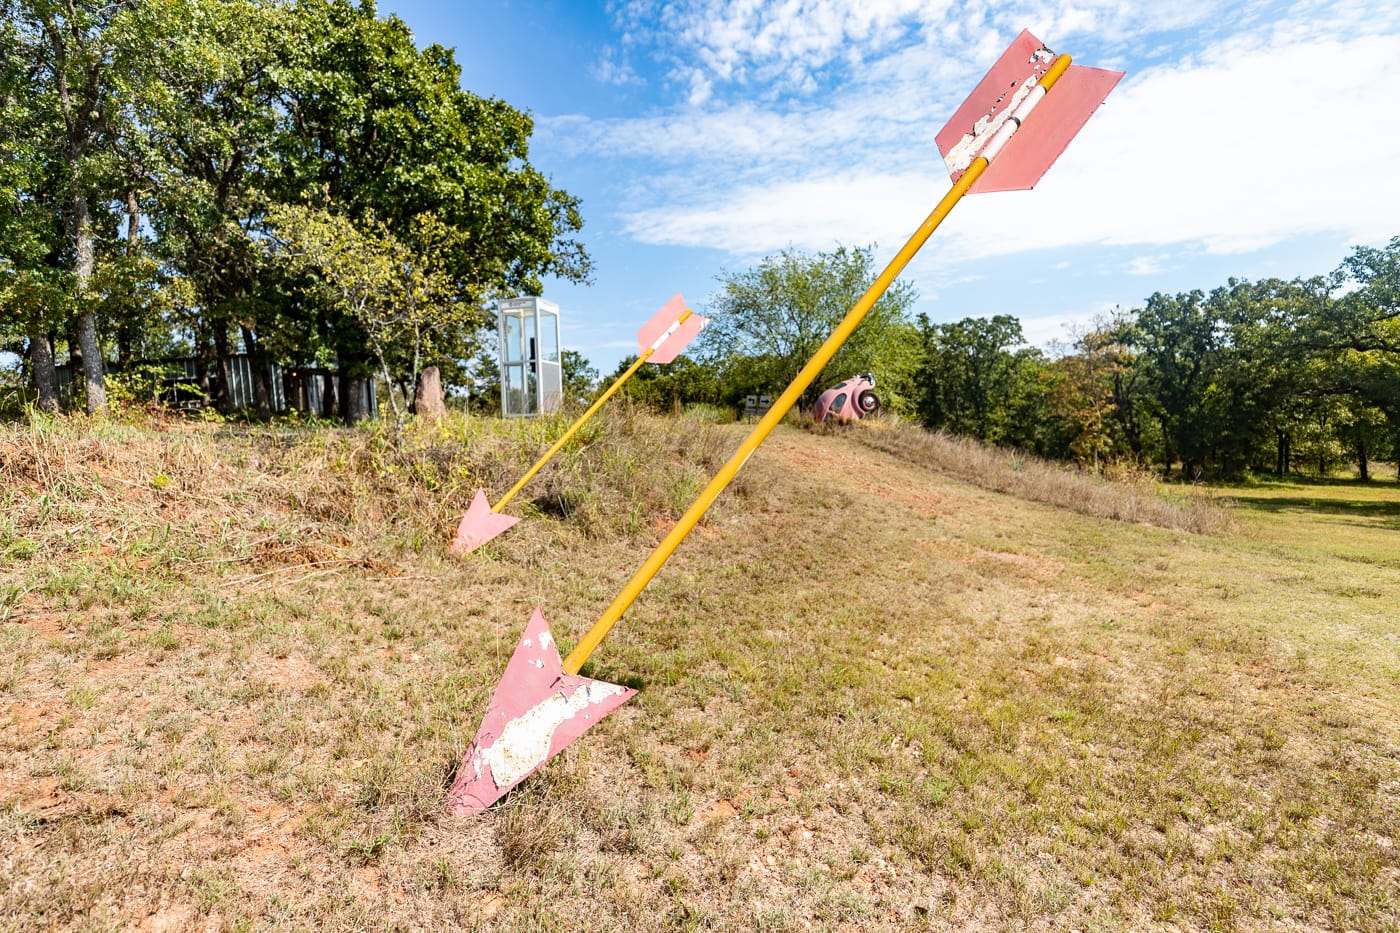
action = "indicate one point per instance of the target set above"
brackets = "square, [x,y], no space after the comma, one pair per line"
[887,685]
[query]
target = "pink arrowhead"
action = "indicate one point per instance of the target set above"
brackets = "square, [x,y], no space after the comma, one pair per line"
[479,525]
[535,713]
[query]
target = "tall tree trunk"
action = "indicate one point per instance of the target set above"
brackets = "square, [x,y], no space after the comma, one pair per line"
[353,405]
[330,393]
[1362,461]
[45,375]
[262,387]
[204,359]
[389,391]
[127,327]
[94,377]
[94,374]
[223,393]
[133,224]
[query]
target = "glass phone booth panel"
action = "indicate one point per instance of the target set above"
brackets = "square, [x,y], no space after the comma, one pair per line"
[531,376]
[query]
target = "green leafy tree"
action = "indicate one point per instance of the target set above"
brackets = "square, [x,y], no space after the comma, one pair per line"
[260,103]
[376,127]
[980,380]
[211,105]
[76,50]
[580,378]
[1367,433]
[669,386]
[1177,341]
[34,286]
[1256,366]
[1357,339]
[1079,395]
[397,298]
[768,321]
[81,149]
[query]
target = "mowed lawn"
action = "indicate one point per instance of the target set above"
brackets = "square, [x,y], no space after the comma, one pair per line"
[238,668]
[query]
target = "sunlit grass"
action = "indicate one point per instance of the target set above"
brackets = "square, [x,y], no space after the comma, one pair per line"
[873,695]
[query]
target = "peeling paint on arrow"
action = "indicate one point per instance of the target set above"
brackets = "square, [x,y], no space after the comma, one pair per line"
[524,743]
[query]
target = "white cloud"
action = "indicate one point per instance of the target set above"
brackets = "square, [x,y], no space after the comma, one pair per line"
[1147,265]
[614,69]
[811,213]
[1247,142]
[784,45]
[1053,328]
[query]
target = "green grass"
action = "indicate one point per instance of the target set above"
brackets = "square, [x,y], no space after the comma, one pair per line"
[873,696]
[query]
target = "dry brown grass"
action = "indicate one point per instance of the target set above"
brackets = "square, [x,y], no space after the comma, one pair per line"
[872,696]
[1120,494]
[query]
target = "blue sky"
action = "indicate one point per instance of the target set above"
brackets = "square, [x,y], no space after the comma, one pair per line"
[1249,139]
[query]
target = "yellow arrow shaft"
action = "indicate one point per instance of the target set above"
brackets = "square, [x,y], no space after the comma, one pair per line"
[765,426]
[784,403]
[583,418]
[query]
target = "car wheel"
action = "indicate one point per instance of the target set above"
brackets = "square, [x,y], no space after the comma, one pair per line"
[868,402]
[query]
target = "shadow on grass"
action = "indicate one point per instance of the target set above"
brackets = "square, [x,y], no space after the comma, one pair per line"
[613,676]
[556,505]
[1378,481]
[1387,512]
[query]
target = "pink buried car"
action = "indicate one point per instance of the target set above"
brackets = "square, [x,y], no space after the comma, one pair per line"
[849,400]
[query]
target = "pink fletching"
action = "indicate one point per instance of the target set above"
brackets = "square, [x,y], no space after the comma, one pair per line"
[677,340]
[1047,131]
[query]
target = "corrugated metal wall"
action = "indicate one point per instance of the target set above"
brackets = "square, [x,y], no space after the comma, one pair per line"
[302,389]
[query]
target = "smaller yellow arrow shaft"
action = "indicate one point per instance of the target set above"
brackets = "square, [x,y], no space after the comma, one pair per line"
[582,420]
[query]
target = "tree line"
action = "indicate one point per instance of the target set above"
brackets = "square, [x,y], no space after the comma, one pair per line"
[296,180]
[1269,376]
[299,181]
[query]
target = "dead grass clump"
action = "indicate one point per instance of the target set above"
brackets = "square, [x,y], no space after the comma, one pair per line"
[625,470]
[1127,496]
[80,459]
[642,469]
[101,489]
[529,833]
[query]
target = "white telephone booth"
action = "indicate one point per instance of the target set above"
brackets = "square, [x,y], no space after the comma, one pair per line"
[532,381]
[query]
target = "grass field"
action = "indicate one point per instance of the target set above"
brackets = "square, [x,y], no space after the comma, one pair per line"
[237,669]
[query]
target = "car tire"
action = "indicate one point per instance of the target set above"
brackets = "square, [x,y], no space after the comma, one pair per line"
[868,402]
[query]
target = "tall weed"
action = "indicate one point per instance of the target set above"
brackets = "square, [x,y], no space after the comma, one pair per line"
[1123,494]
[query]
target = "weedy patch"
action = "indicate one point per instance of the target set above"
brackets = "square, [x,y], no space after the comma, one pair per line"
[238,668]
[1122,495]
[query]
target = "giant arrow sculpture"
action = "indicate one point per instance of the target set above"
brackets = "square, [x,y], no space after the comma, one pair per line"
[1004,137]
[659,341]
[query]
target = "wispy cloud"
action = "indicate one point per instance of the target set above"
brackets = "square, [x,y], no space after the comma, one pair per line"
[1147,265]
[613,68]
[793,46]
[1233,144]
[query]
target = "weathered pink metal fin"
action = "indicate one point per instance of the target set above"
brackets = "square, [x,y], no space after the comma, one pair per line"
[479,525]
[535,713]
[676,341]
[1057,120]
[1035,146]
